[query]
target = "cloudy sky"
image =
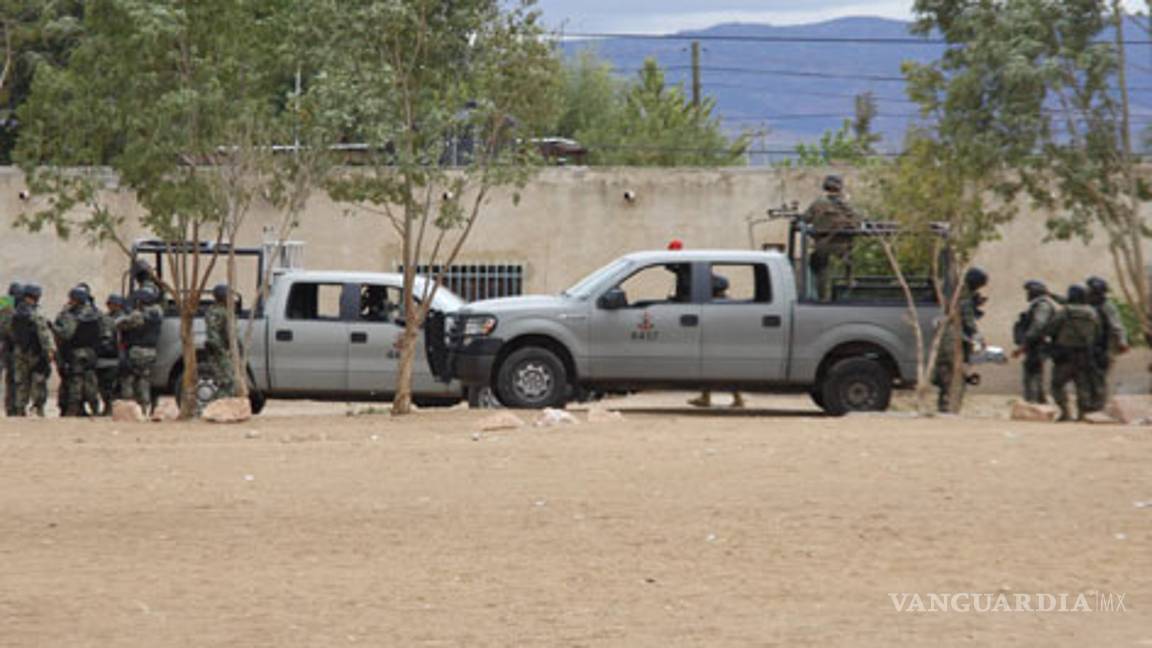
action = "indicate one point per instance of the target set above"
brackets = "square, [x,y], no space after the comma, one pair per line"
[661,16]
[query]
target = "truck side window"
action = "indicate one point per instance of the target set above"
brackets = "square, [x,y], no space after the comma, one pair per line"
[658,284]
[741,283]
[380,303]
[314,301]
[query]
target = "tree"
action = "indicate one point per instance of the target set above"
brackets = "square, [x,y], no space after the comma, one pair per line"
[31,32]
[1051,76]
[929,185]
[154,90]
[853,144]
[591,95]
[657,125]
[444,96]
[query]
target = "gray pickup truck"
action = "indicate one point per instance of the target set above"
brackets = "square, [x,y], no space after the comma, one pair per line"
[323,336]
[690,319]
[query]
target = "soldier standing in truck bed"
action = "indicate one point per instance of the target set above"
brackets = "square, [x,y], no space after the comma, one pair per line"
[829,217]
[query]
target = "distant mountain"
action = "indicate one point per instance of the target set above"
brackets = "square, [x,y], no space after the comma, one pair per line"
[794,92]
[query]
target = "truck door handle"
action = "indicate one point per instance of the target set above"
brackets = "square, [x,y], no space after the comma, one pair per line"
[771,321]
[359,337]
[283,335]
[689,320]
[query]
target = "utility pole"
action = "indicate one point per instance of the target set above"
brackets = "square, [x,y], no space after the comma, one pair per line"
[696,74]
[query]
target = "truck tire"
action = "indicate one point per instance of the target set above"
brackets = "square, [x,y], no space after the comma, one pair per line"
[817,394]
[856,385]
[532,378]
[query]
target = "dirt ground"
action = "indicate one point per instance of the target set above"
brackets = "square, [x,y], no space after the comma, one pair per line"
[774,527]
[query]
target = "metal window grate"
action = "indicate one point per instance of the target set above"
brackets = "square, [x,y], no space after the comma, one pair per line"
[473,282]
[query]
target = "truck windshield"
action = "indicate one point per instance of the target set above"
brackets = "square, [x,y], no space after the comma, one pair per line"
[583,288]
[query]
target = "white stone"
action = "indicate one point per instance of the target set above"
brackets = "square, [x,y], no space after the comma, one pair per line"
[551,417]
[127,411]
[1132,409]
[1024,411]
[228,410]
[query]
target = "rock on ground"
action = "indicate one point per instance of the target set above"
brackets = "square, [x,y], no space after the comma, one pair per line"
[1024,411]
[228,410]
[1130,408]
[166,410]
[551,417]
[127,411]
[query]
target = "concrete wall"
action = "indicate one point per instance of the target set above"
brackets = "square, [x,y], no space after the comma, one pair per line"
[570,221]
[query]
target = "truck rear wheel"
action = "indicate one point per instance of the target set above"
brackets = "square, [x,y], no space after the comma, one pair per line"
[856,385]
[532,378]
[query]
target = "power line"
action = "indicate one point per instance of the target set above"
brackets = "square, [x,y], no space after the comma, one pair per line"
[847,40]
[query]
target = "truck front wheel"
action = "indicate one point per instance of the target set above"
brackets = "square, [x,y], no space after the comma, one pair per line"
[856,385]
[532,378]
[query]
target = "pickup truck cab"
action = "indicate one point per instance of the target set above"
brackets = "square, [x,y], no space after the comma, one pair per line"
[718,319]
[322,336]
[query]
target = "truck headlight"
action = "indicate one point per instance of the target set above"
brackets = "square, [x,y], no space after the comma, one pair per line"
[479,326]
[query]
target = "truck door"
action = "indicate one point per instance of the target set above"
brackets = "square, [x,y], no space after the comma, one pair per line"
[309,340]
[655,334]
[374,344]
[374,340]
[744,330]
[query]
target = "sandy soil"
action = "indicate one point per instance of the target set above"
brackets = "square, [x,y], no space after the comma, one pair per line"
[309,527]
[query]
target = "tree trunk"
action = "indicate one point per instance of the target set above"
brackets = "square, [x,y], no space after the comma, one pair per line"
[239,366]
[402,403]
[956,386]
[188,404]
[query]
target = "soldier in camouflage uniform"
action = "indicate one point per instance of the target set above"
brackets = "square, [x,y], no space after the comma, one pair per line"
[78,328]
[1075,329]
[35,351]
[108,353]
[969,311]
[1111,341]
[7,353]
[141,332]
[828,218]
[1031,337]
[218,336]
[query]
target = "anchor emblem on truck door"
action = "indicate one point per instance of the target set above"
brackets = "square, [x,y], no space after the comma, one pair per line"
[646,329]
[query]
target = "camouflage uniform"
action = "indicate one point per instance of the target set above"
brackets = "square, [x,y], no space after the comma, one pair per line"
[1074,332]
[6,356]
[141,330]
[32,361]
[1034,341]
[946,355]
[108,362]
[1110,339]
[219,355]
[78,327]
[827,216]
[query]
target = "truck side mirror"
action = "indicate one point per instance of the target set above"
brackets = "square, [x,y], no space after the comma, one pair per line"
[614,299]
